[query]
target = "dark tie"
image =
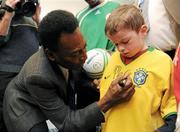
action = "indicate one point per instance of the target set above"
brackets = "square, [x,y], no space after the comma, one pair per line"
[72,94]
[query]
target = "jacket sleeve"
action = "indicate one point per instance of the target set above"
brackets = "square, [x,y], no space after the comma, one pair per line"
[168,101]
[43,92]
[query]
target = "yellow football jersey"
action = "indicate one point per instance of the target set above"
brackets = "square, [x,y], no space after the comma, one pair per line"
[153,99]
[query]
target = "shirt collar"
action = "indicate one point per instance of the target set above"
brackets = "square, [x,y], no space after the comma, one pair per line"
[127,60]
[65,72]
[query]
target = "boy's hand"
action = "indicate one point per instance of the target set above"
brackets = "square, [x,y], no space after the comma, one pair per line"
[96,83]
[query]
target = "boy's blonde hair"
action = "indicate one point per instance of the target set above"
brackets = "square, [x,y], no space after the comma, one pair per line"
[124,17]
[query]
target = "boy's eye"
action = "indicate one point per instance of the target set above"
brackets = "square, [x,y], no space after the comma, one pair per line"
[125,42]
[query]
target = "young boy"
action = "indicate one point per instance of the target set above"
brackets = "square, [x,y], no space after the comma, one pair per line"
[153,106]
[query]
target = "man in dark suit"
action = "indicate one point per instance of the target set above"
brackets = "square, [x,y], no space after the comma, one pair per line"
[44,87]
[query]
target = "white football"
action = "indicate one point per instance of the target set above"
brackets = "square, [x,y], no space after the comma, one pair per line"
[97,60]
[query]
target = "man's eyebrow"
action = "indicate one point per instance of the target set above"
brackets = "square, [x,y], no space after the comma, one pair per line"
[77,50]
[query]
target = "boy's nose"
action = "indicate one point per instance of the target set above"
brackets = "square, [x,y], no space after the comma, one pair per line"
[121,49]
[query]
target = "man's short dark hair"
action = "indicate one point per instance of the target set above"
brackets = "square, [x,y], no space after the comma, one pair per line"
[53,25]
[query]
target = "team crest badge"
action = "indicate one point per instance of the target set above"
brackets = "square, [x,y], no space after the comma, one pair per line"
[140,77]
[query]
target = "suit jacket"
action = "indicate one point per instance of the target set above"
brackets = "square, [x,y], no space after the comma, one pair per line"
[39,92]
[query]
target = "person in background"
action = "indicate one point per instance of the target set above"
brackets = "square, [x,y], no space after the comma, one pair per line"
[18,41]
[176,80]
[173,7]
[44,88]
[164,29]
[92,21]
[153,106]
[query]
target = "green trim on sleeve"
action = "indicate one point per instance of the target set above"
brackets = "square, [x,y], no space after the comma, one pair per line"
[172,113]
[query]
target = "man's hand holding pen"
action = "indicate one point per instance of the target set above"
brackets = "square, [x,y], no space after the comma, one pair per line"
[121,90]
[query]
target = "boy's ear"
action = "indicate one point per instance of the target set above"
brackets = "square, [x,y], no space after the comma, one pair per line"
[49,54]
[144,29]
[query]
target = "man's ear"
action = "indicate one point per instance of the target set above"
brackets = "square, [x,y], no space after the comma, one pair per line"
[49,54]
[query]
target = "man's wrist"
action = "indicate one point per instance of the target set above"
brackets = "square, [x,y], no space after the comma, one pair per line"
[8,8]
[104,104]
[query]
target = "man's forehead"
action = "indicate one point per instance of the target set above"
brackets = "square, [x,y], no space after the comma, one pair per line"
[71,42]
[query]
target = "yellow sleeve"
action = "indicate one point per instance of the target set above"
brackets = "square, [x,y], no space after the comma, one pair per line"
[168,102]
